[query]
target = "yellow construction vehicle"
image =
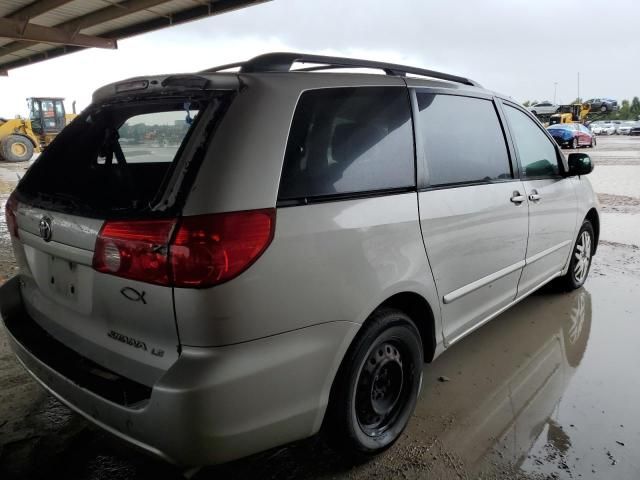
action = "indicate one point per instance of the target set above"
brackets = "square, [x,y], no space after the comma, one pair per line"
[575,113]
[21,137]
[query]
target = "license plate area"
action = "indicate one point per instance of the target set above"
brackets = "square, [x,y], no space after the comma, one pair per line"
[63,277]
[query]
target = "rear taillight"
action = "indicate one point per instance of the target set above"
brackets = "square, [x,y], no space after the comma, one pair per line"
[199,251]
[10,215]
[211,249]
[135,249]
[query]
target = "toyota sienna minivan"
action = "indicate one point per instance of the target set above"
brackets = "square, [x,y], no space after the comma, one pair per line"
[218,263]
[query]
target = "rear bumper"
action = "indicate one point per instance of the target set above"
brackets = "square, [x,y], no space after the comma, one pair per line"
[214,404]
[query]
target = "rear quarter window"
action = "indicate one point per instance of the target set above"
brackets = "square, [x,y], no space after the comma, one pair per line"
[348,141]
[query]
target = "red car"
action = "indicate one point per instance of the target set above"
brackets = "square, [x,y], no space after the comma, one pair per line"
[572,135]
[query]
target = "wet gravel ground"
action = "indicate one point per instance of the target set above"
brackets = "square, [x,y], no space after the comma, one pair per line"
[547,390]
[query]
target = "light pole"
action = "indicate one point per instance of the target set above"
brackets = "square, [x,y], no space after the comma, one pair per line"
[555,90]
[579,87]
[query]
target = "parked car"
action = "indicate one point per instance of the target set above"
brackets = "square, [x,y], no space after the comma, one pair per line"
[544,108]
[625,127]
[602,104]
[604,128]
[286,266]
[635,129]
[572,135]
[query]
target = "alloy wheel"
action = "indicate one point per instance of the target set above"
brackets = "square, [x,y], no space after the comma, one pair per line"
[583,257]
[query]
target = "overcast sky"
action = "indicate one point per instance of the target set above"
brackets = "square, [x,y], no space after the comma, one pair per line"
[517,47]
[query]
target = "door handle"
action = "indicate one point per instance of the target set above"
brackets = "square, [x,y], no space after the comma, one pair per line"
[517,197]
[534,196]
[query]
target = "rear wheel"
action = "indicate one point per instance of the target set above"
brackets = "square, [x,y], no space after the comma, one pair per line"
[603,108]
[16,148]
[580,262]
[375,391]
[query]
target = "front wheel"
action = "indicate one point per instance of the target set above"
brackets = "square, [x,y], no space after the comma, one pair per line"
[580,262]
[377,385]
[16,148]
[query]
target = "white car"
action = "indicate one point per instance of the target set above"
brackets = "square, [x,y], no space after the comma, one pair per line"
[544,108]
[606,128]
[625,127]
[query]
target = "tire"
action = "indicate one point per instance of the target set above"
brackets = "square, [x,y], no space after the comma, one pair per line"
[572,280]
[603,108]
[16,148]
[376,388]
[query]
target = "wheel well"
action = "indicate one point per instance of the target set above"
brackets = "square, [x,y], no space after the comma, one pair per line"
[416,307]
[592,216]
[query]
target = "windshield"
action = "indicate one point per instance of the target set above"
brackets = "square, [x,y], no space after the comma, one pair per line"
[113,158]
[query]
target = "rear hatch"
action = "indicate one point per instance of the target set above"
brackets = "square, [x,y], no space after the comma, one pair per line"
[92,218]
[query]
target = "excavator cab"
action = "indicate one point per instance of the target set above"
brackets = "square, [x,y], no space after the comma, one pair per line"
[47,115]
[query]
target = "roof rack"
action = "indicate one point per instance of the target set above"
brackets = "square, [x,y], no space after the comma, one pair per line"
[283,61]
[220,68]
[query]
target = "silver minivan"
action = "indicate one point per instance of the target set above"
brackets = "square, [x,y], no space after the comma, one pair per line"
[218,263]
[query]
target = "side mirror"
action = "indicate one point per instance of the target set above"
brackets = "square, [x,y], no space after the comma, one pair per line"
[579,164]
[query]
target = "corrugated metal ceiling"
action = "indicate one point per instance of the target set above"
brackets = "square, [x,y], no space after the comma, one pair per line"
[108,19]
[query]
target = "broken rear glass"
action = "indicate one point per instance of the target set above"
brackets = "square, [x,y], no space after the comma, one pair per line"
[114,158]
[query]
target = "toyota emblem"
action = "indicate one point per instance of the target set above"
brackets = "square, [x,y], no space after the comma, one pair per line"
[45,229]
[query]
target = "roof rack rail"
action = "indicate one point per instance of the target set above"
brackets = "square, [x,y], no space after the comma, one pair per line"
[283,61]
[219,68]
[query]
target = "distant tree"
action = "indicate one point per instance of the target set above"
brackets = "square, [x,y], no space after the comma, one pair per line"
[526,103]
[625,111]
[635,107]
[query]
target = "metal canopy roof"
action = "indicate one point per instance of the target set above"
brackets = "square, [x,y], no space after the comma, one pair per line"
[33,31]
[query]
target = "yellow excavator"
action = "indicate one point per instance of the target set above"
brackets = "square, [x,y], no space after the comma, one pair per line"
[21,137]
[575,113]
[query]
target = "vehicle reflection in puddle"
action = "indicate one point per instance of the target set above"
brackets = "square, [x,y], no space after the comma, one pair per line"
[503,384]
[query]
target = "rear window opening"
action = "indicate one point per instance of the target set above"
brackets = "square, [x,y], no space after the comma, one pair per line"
[116,159]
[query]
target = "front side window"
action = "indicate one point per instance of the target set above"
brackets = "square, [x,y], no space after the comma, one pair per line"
[154,137]
[537,154]
[349,140]
[463,140]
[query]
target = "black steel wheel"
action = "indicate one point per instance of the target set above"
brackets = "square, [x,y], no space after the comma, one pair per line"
[375,391]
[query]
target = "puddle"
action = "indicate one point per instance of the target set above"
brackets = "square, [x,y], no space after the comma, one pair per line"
[617,179]
[620,228]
